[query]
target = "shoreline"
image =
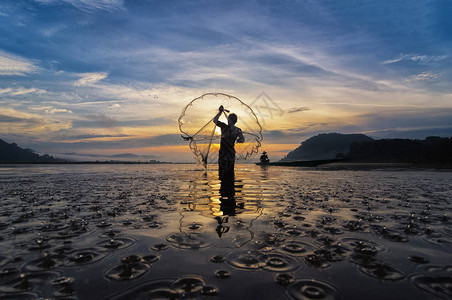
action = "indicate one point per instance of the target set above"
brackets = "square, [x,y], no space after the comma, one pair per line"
[362,166]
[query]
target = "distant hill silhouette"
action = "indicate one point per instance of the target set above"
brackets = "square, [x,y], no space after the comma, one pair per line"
[432,150]
[326,146]
[11,153]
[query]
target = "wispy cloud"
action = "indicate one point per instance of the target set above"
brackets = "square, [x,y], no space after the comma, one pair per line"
[89,5]
[90,78]
[50,109]
[425,76]
[17,122]
[418,58]
[15,65]
[102,120]
[87,137]
[21,91]
[113,156]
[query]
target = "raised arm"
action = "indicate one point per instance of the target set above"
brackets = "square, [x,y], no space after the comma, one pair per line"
[220,110]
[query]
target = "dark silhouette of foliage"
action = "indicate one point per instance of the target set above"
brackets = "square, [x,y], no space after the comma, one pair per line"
[432,150]
[325,146]
[11,153]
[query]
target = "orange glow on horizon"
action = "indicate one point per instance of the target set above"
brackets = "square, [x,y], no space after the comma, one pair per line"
[275,150]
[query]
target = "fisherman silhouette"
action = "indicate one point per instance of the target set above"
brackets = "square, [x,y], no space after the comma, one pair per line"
[264,158]
[230,134]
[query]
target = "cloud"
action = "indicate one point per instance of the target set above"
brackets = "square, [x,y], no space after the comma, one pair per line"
[21,91]
[102,120]
[425,76]
[113,156]
[166,143]
[106,122]
[72,137]
[50,109]
[412,133]
[89,5]
[10,119]
[90,78]
[421,59]
[15,65]
[298,109]
[16,122]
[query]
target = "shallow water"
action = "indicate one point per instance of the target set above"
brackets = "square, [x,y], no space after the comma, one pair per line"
[164,232]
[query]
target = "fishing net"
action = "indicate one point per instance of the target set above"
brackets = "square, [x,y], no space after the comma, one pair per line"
[197,126]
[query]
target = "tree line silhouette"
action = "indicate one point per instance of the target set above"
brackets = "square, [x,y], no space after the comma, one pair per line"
[11,153]
[432,150]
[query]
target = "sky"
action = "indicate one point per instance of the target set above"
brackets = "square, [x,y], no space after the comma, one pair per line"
[99,79]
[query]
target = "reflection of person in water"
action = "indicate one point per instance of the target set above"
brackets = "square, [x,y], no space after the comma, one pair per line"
[264,158]
[230,134]
[228,205]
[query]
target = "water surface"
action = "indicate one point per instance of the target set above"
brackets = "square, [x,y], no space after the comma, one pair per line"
[165,231]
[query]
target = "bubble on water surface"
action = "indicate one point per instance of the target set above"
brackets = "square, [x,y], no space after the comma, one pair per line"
[187,241]
[248,260]
[131,267]
[253,260]
[111,233]
[391,234]
[291,231]
[217,259]
[195,226]
[380,270]
[151,258]
[280,263]
[45,262]
[159,247]
[321,258]
[188,286]
[297,247]
[222,274]
[63,288]
[418,259]
[309,289]
[284,279]
[83,256]
[116,243]
[363,247]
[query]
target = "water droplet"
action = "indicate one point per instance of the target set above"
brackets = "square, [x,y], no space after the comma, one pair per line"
[222,274]
[418,259]
[284,279]
[159,247]
[188,286]
[307,289]
[217,259]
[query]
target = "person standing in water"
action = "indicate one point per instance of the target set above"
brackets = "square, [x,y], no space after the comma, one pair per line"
[230,134]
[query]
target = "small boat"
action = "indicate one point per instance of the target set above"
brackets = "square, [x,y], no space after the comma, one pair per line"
[301,163]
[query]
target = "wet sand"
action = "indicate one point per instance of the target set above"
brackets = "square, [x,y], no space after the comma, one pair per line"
[165,232]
